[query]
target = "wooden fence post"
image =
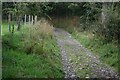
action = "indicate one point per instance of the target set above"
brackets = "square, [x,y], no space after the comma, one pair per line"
[29,19]
[32,20]
[9,18]
[19,21]
[12,29]
[35,19]
[25,20]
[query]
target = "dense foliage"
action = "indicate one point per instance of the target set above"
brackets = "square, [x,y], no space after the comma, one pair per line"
[101,21]
[88,13]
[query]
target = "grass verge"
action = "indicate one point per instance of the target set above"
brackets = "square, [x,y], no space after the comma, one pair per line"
[23,59]
[106,51]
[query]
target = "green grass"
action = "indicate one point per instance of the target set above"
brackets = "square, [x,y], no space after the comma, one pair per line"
[107,52]
[5,28]
[19,64]
[83,32]
[38,64]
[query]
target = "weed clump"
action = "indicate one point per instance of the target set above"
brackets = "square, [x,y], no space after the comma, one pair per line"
[36,36]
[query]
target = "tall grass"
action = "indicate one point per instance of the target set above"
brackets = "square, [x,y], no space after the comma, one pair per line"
[85,34]
[31,53]
[107,52]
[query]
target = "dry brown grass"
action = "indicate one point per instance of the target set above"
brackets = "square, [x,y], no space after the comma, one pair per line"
[42,29]
[36,35]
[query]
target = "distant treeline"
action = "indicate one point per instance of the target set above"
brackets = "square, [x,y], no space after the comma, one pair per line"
[106,14]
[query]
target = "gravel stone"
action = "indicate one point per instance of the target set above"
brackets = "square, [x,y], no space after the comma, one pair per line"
[82,59]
